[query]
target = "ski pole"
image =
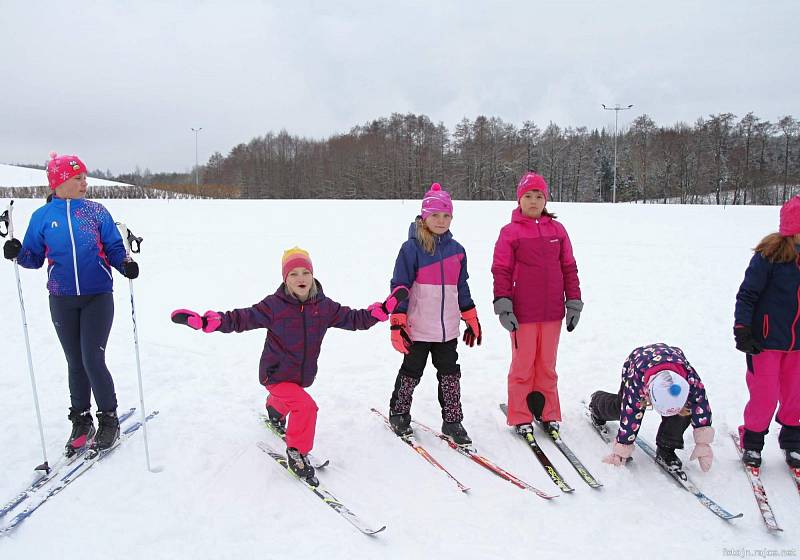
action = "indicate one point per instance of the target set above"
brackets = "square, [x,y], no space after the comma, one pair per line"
[7,229]
[133,245]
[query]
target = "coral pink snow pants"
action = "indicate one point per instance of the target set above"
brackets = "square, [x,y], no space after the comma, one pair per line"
[292,400]
[533,368]
[773,377]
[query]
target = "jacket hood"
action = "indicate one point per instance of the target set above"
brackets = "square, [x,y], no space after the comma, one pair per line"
[291,300]
[519,218]
[412,233]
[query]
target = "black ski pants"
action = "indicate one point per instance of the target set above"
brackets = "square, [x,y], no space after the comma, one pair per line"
[607,406]
[83,324]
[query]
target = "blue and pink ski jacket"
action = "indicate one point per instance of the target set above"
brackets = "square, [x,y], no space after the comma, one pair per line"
[295,331]
[80,242]
[438,287]
[768,301]
[641,365]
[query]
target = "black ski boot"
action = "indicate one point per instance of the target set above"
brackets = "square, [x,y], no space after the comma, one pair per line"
[277,420]
[751,457]
[107,431]
[793,458]
[666,456]
[401,424]
[551,427]
[82,431]
[456,432]
[300,465]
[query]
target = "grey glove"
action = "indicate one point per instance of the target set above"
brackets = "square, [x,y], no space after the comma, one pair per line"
[504,308]
[574,308]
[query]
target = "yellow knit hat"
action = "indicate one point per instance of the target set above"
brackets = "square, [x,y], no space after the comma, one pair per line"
[293,258]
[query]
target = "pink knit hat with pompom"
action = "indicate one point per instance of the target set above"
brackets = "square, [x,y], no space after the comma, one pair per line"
[63,168]
[531,181]
[436,200]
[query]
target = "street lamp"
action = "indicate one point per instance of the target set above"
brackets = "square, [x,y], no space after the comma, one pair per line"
[616,108]
[196,167]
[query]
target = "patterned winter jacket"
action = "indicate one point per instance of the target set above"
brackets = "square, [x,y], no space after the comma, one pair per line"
[534,266]
[438,287]
[294,332]
[80,242]
[769,302]
[641,365]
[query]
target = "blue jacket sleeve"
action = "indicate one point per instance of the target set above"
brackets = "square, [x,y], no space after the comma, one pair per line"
[258,316]
[755,280]
[112,241]
[464,297]
[33,247]
[405,271]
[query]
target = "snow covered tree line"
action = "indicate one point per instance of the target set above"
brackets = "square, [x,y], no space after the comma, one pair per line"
[718,159]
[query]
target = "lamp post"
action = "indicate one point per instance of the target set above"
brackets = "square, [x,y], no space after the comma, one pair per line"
[196,167]
[616,108]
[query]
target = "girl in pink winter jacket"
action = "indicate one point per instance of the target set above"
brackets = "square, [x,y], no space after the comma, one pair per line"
[535,285]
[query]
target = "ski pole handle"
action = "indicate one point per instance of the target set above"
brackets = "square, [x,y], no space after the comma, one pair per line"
[6,223]
[132,243]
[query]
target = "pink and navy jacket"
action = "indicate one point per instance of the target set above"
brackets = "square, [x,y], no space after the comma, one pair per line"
[534,266]
[438,287]
[768,301]
[295,332]
[80,242]
[641,365]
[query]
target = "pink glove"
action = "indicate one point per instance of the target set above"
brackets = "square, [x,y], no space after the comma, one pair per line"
[620,453]
[702,449]
[209,322]
[400,338]
[381,311]
[473,333]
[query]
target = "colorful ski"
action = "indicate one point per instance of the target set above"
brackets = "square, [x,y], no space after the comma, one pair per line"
[470,452]
[321,493]
[411,441]
[760,495]
[282,434]
[587,477]
[548,466]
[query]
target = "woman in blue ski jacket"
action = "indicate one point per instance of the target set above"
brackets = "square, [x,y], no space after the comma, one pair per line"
[81,244]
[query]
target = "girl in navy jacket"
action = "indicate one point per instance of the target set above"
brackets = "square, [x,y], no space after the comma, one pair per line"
[767,329]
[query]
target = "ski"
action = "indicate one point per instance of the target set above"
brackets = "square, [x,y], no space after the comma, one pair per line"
[682,478]
[83,466]
[548,466]
[43,478]
[282,434]
[323,494]
[759,493]
[411,441]
[472,453]
[602,430]
[796,477]
[576,463]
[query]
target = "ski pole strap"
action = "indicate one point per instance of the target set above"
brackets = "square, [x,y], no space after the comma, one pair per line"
[6,226]
[132,242]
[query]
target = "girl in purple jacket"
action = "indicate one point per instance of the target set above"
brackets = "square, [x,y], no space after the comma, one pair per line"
[296,317]
[535,285]
[434,266]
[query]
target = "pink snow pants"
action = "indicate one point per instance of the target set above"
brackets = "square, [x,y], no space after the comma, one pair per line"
[292,400]
[774,378]
[533,368]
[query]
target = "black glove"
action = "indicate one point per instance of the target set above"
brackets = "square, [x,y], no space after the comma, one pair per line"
[11,249]
[745,340]
[130,269]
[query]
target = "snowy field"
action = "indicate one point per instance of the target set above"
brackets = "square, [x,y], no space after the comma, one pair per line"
[648,274]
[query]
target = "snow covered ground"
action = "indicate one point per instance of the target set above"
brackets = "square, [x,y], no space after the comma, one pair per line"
[648,273]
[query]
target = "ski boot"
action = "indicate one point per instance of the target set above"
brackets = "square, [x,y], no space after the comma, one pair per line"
[107,432]
[524,429]
[551,427]
[752,458]
[793,458]
[300,466]
[456,432]
[401,424]
[277,420]
[82,431]
[666,456]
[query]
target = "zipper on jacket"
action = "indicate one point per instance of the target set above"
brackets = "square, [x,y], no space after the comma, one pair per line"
[794,323]
[303,363]
[544,268]
[441,270]
[74,249]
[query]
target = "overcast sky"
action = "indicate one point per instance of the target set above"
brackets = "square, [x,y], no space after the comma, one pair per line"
[123,86]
